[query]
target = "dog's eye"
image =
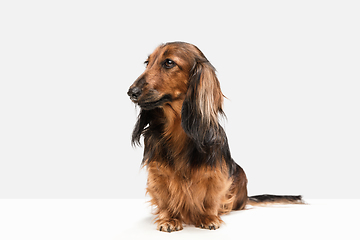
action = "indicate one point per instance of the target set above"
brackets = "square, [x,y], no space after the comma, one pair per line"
[168,63]
[146,63]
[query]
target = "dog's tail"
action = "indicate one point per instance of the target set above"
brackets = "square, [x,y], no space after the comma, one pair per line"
[274,199]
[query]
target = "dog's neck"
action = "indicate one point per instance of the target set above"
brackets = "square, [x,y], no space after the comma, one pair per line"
[172,126]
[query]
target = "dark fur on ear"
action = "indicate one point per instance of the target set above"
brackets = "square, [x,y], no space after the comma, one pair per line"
[200,117]
[202,106]
[142,122]
[150,126]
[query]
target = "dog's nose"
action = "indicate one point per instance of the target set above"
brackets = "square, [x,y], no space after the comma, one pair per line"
[134,93]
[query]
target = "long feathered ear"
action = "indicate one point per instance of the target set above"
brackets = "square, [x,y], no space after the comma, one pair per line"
[202,106]
[142,122]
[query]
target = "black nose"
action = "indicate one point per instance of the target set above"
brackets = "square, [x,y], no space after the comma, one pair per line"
[134,93]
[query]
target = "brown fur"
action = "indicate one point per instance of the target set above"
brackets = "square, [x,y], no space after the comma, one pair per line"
[192,178]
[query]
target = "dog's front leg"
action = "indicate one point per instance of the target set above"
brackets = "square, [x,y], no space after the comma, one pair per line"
[158,189]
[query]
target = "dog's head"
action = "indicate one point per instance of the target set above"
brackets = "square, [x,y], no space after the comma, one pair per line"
[166,76]
[176,72]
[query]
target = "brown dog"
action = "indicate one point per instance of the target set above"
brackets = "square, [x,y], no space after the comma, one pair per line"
[192,178]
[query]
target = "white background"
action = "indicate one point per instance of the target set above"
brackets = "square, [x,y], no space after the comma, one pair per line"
[290,70]
[119,219]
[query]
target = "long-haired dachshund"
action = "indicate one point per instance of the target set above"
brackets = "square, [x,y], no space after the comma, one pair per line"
[192,178]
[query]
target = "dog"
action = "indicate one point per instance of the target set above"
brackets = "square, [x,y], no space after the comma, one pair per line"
[192,178]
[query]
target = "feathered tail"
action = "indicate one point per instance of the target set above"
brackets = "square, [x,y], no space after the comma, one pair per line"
[274,199]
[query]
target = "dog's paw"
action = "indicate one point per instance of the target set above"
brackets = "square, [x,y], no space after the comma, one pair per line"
[210,222]
[169,225]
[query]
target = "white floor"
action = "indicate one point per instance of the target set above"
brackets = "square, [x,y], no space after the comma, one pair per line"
[131,219]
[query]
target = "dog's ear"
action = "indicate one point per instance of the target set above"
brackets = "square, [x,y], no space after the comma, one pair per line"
[142,122]
[202,106]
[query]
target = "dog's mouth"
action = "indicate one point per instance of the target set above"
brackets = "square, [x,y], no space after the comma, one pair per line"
[134,99]
[149,103]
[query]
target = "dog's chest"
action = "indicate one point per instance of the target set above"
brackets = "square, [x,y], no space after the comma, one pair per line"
[185,187]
